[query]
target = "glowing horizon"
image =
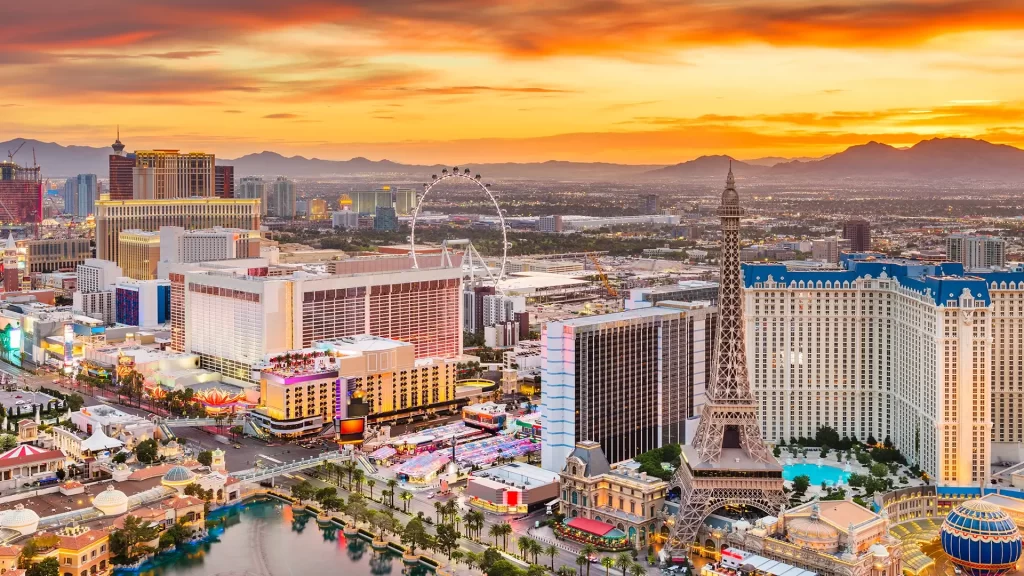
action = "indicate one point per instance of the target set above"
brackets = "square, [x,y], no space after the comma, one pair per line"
[485,81]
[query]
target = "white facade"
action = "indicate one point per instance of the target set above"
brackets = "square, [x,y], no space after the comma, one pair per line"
[98,305]
[179,245]
[282,199]
[233,321]
[891,349]
[97,275]
[976,252]
[499,309]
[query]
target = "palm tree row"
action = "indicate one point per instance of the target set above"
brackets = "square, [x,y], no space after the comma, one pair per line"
[502,530]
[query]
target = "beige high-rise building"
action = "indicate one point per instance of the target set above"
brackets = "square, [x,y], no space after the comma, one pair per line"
[138,253]
[115,216]
[169,174]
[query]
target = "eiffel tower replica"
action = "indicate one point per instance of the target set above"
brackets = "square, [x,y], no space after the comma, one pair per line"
[727,461]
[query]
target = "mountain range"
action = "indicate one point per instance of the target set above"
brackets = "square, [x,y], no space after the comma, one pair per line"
[938,158]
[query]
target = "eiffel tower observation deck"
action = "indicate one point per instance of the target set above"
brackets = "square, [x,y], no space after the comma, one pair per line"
[727,462]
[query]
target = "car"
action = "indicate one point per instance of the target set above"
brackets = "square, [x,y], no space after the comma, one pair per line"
[236,446]
[430,495]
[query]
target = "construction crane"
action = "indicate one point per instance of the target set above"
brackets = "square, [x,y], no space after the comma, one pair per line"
[612,292]
[10,155]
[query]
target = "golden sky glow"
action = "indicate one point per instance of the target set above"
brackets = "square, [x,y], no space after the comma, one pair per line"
[457,81]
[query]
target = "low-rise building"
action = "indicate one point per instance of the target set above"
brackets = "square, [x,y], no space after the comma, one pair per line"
[128,428]
[83,551]
[27,465]
[514,488]
[620,496]
[303,390]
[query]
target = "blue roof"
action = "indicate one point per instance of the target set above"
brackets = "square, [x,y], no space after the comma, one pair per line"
[178,474]
[942,281]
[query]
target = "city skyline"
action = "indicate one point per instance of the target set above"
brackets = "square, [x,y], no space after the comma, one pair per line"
[623,82]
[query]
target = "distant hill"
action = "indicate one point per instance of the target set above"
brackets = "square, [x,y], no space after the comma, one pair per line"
[938,158]
[707,167]
[272,163]
[773,160]
[57,160]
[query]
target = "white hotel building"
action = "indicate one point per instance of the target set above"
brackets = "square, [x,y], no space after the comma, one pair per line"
[233,318]
[915,351]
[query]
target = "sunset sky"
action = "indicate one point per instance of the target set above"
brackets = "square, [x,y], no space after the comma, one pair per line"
[462,81]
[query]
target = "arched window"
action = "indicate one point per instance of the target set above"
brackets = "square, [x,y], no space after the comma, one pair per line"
[575,497]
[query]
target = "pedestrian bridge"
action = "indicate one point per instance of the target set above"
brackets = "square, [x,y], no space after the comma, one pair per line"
[258,474]
[183,422]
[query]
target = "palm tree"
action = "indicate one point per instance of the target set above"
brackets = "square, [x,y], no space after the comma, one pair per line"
[524,545]
[457,555]
[370,484]
[623,562]
[495,531]
[566,571]
[550,550]
[587,551]
[392,485]
[582,561]
[358,476]
[607,562]
[386,494]
[535,549]
[451,511]
[438,510]
[405,497]
[637,570]
[506,529]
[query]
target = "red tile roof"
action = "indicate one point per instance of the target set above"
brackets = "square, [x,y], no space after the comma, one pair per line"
[592,526]
[28,454]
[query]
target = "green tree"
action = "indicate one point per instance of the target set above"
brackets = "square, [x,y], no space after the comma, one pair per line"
[303,490]
[550,551]
[447,538]
[582,561]
[205,458]
[800,484]
[74,402]
[607,562]
[414,535]
[46,567]
[503,568]
[128,543]
[637,570]
[879,470]
[8,442]
[405,497]
[565,571]
[587,551]
[494,532]
[623,561]
[357,476]
[324,494]
[146,451]
[535,570]
[777,451]
[370,483]
[392,486]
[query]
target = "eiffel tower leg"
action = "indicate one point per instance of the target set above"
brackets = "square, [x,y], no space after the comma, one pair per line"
[693,509]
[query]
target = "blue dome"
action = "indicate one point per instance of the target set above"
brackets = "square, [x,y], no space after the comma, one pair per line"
[981,539]
[178,474]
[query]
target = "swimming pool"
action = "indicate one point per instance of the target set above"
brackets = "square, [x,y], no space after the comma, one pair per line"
[830,475]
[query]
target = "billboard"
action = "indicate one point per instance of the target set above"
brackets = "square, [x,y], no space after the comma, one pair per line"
[69,344]
[350,430]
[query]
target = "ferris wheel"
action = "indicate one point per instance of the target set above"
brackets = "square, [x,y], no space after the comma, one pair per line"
[486,189]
